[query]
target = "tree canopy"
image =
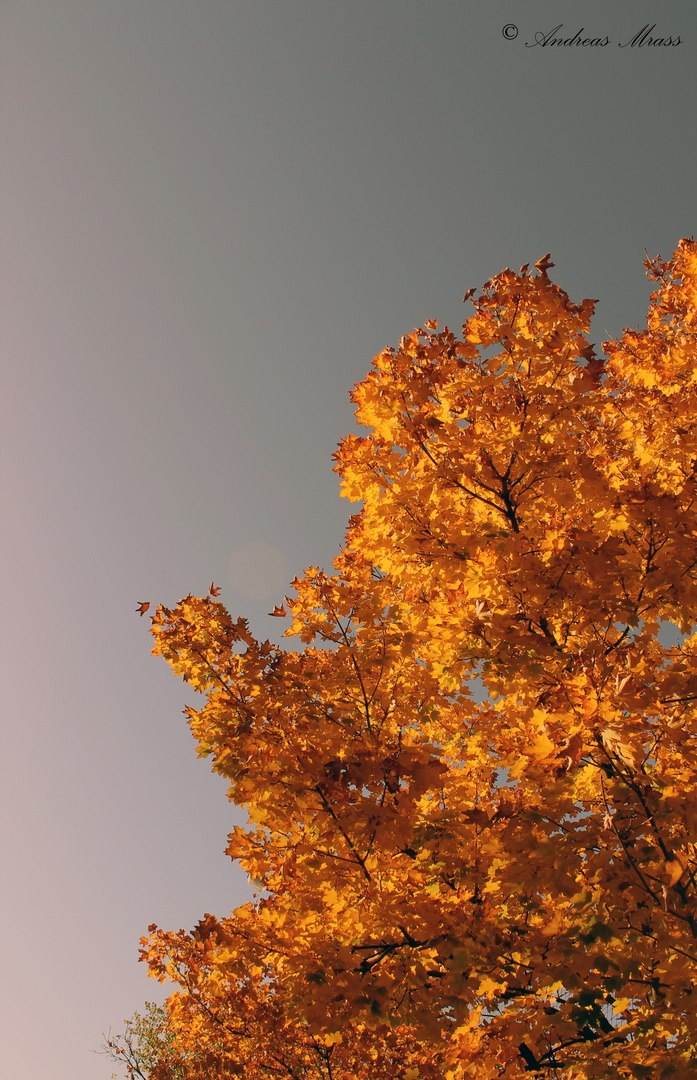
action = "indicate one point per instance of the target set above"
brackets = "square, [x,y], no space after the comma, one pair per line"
[471,790]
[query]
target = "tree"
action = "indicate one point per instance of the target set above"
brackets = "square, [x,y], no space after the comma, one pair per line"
[145,1049]
[461,887]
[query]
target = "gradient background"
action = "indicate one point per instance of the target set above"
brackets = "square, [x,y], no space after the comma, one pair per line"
[214,213]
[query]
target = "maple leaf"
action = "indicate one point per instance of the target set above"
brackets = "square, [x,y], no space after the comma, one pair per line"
[279,611]
[616,745]
[142,607]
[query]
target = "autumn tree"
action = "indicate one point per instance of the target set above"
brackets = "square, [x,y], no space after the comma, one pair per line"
[456,887]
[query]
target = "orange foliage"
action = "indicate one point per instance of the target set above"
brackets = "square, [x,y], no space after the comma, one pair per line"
[455,887]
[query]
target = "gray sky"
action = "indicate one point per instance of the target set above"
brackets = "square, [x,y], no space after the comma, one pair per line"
[214,213]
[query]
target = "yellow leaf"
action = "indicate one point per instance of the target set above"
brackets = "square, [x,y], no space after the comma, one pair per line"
[675,868]
[488,986]
[553,925]
[540,748]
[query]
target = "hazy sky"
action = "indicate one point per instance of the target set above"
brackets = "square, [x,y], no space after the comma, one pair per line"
[214,214]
